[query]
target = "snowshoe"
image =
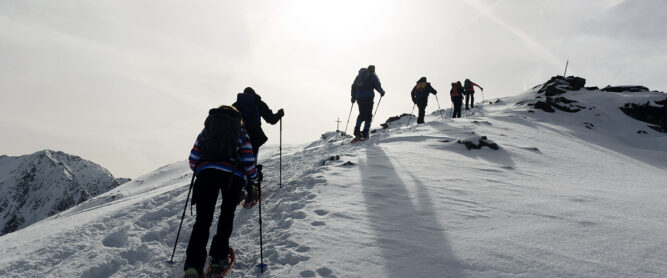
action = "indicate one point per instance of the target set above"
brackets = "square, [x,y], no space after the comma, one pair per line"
[191,273]
[220,268]
[358,139]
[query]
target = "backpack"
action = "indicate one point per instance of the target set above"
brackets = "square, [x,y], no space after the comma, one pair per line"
[455,92]
[363,80]
[247,105]
[222,130]
[467,85]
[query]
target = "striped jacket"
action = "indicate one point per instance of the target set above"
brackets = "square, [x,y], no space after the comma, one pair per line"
[244,151]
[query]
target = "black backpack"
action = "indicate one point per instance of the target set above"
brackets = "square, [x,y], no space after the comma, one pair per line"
[363,80]
[219,140]
[467,85]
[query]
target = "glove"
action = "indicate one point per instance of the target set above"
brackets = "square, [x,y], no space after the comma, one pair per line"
[280,113]
[252,195]
[482,89]
[381,94]
[260,176]
[353,99]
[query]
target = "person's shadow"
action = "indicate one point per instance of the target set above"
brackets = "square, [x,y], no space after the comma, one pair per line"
[412,241]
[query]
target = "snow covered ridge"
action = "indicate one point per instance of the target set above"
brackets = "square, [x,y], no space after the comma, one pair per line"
[568,94]
[507,190]
[36,186]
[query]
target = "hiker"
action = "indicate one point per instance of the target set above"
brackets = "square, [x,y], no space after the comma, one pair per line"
[457,99]
[227,168]
[362,92]
[469,92]
[420,97]
[253,109]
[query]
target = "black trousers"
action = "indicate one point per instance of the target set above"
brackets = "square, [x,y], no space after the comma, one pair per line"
[209,183]
[470,97]
[421,105]
[458,102]
[365,115]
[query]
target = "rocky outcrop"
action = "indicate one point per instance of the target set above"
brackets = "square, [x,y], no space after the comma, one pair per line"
[653,113]
[552,91]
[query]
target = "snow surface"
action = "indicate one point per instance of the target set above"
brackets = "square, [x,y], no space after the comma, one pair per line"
[566,195]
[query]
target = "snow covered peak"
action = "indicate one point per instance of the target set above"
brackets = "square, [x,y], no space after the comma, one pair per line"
[38,185]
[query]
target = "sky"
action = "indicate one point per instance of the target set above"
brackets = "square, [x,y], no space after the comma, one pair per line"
[127,84]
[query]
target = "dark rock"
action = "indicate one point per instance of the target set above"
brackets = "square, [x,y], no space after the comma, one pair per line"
[654,115]
[621,89]
[478,142]
[553,91]
[393,119]
[564,100]
[589,125]
[544,106]
[576,82]
[564,107]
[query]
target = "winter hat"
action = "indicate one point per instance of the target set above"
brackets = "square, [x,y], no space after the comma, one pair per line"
[423,79]
[249,91]
[371,68]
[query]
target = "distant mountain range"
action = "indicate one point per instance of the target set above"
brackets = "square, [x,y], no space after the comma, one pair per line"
[36,186]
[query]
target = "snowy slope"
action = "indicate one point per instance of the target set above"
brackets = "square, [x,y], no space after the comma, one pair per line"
[35,186]
[565,195]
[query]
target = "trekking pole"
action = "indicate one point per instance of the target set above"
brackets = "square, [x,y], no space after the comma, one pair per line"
[436,99]
[376,109]
[262,266]
[171,261]
[482,96]
[348,118]
[410,117]
[280,160]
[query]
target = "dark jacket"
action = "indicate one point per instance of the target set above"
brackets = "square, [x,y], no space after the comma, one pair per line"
[364,83]
[253,109]
[420,94]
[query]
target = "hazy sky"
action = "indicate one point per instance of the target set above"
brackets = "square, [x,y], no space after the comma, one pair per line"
[128,84]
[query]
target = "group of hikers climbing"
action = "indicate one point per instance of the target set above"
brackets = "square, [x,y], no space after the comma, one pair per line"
[224,161]
[367,81]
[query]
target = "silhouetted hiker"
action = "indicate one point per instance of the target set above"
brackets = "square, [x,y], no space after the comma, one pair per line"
[420,97]
[223,162]
[469,92]
[253,109]
[457,99]
[362,92]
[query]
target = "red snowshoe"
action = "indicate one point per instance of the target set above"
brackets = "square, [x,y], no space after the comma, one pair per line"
[358,139]
[217,270]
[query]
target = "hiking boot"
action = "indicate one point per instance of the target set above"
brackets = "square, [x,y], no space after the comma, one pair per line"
[191,273]
[218,266]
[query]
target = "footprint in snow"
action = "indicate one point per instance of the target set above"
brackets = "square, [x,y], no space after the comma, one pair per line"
[298,215]
[324,271]
[317,223]
[116,239]
[307,273]
[321,212]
